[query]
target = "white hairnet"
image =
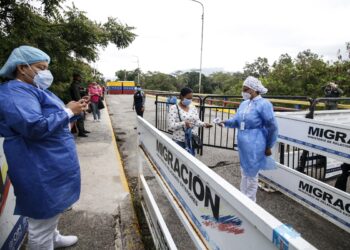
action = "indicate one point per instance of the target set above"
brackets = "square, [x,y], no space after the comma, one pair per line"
[254,84]
[21,56]
[332,84]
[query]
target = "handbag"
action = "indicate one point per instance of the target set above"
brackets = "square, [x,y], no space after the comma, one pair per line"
[100,104]
[196,140]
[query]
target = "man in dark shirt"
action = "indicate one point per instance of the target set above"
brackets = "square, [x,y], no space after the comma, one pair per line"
[76,92]
[332,90]
[139,101]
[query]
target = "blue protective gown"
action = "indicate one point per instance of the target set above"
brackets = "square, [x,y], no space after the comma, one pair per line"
[39,149]
[260,132]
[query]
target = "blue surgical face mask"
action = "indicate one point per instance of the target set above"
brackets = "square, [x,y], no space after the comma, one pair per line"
[138,89]
[186,102]
[43,79]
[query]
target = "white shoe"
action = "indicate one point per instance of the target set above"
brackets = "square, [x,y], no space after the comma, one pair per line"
[99,120]
[65,241]
[95,120]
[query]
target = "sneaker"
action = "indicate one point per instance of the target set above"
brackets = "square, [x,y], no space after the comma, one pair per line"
[82,135]
[99,120]
[64,241]
[86,132]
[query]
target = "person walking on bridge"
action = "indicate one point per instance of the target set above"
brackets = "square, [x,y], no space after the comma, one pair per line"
[95,93]
[40,151]
[257,133]
[139,101]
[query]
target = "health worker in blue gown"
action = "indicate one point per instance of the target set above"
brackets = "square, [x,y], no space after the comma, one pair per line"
[257,134]
[39,148]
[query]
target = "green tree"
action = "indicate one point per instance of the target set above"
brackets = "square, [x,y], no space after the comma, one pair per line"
[283,76]
[312,74]
[159,81]
[125,75]
[68,36]
[259,68]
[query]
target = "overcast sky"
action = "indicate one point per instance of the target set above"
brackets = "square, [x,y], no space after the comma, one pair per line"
[235,31]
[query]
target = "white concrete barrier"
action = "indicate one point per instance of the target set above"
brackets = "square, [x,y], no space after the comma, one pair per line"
[325,200]
[215,214]
[328,134]
[159,230]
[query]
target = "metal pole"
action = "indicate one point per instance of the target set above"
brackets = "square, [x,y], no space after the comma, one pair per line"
[200,63]
[138,70]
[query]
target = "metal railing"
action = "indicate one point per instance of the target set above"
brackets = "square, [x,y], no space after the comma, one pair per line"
[212,106]
[306,162]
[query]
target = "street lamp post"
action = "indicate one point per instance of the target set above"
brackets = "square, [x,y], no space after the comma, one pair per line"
[138,69]
[200,63]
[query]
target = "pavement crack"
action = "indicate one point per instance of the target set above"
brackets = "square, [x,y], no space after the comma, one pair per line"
[149,178]
[221,164]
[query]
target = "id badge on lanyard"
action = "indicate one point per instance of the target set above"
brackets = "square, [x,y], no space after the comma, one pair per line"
[242,125]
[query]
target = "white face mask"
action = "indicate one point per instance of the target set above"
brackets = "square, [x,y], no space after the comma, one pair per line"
[43,79]
[246,95]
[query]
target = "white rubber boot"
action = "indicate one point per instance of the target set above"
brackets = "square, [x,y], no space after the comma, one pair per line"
[64,241]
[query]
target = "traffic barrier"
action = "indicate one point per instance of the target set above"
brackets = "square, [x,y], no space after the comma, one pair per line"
[160,233]
[121,87]
[215,214]
[328,136]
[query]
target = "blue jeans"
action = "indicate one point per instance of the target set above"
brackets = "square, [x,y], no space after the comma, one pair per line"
[95,111]
[183,145]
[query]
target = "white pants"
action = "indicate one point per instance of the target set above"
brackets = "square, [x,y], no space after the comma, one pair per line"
[41,233]
[249,186]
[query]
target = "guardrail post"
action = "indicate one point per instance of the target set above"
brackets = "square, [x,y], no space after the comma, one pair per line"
[201,117]
[156,103]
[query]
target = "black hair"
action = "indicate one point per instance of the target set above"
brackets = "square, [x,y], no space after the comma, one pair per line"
[185,91]
[76,74]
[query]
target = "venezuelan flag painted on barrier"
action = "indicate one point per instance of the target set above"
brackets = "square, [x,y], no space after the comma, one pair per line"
[121,87]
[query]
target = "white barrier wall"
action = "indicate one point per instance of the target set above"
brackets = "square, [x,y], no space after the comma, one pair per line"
[328,135]
[219,214]
[12,228]
[327,201]
[325,138]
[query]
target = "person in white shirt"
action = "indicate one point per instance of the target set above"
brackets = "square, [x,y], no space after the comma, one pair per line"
[183,116]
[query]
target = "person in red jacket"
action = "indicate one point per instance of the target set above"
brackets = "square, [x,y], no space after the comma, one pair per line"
[95,93]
